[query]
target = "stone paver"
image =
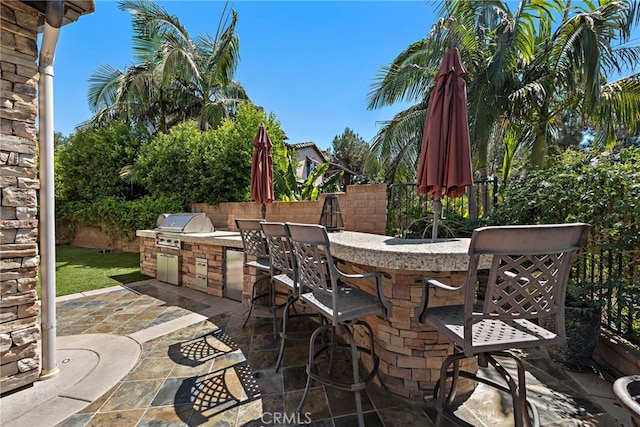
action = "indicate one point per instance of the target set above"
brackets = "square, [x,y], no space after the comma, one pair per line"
[198,366]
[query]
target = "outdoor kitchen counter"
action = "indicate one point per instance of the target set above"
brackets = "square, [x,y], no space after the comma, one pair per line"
[229,239]
[196,260]
[410,353]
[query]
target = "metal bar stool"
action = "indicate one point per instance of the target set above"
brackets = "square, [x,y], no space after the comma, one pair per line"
[283,272]
[341,305]
[256,255]
[530,267]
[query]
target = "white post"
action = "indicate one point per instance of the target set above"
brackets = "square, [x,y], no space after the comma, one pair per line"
[53,22]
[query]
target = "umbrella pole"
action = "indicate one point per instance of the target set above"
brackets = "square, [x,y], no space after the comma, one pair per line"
[437,210]
[263,210]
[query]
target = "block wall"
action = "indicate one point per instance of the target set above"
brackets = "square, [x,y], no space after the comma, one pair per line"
[92,237]
[19,259]
[363,207]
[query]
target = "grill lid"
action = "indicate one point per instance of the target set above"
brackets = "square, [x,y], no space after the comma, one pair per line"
[184,223]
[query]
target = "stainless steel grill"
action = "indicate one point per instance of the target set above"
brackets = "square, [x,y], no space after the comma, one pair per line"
[169,227]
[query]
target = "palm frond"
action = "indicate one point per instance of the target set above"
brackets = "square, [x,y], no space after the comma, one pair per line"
[402,80]
[621,60]
[150,19]
[530,92]
[398,143]
[619,109]
[103,87]
[582,47]
[222,51]
[177,60]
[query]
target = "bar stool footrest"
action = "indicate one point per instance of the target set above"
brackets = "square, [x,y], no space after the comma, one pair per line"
[525,412]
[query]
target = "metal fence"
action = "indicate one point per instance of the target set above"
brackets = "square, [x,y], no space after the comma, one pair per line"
[409,215]
[612,277]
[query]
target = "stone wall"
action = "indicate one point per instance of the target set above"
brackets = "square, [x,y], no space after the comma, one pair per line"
[213,254]
[363,207]
[19,260]
[617,355]
[92,237]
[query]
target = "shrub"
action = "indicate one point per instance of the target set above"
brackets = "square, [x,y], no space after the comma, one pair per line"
[209,167]
[176,163]
[165,174]
[603,190]
[117,217]
[231,177]
[88,165]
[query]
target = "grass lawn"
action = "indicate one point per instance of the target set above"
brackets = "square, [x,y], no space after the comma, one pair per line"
[84,269]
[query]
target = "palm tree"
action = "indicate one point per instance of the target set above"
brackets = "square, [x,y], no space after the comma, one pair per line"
[520,69]
[210,92]
[175,78]
[569,72]
[475,28]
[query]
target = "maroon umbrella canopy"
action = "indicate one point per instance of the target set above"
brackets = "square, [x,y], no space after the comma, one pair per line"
[445,157]
[262,169]
[444,168]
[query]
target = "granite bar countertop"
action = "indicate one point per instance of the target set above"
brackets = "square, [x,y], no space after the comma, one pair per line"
[229,239]
[394,253]
[374,250]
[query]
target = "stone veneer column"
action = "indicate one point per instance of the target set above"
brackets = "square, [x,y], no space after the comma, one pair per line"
[410,353]
[19,260]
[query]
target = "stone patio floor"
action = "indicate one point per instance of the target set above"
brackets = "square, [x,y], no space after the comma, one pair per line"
[199,369]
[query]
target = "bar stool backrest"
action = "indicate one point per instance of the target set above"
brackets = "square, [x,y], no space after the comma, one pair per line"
[315,265]
[281,257]
[252,239]
[530,268]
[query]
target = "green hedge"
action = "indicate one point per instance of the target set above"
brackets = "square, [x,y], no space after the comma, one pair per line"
[120,179]
[116,216]
[602,190]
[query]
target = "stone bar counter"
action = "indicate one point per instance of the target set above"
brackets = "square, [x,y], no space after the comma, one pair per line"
[410,353]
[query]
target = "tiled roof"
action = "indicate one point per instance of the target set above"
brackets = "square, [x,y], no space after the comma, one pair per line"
[301,145]
[73,9]
[310,144]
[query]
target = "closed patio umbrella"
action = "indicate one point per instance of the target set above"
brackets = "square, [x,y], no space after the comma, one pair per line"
[444,167]
[262,170]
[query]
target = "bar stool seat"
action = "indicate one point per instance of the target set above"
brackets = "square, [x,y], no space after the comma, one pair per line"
[343,308]
[352,303]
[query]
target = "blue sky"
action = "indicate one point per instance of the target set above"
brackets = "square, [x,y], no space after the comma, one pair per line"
[311,63]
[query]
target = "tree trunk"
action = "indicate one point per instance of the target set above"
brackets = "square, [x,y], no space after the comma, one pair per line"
[473,204]
[539,148]
[482,169]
